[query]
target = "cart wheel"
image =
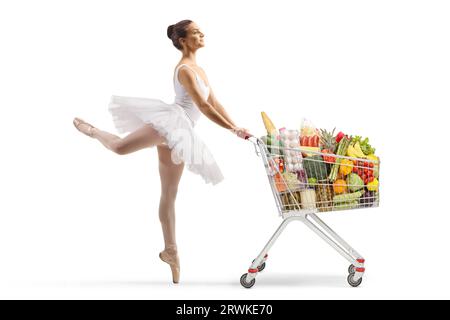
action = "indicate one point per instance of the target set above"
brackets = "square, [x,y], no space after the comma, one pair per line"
[351,269]
[246,284]
[352,282]
[261,267]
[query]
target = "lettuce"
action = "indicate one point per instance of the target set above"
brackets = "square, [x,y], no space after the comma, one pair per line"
[354,182]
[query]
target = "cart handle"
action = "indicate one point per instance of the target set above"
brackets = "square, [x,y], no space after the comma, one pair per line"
[255,141]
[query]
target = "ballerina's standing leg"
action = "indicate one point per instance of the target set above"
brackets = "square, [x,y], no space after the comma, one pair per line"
[170,175]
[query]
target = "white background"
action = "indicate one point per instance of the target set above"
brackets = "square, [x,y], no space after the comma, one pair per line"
[78,221]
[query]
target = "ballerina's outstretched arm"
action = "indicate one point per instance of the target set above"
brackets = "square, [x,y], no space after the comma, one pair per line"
[217,115]
[188,80]
[219,108]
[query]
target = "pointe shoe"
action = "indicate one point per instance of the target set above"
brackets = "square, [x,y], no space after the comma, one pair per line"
[174,263]
[77,122]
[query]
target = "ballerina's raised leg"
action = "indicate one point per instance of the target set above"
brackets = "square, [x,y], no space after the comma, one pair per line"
[144,137]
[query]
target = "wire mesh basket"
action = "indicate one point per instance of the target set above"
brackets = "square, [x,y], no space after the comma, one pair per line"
[306,180]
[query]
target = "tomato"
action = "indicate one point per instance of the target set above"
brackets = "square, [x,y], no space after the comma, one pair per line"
[308,141]
[305,141]
[355,163]
[366,180]
[364,177]
[366,164]
[366,171]
[355,170]
[316,140]
[371,178]
[371,165]
[360,172]
[329,159]
[360,163]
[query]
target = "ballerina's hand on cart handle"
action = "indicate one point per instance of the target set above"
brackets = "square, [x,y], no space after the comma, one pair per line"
[241,132]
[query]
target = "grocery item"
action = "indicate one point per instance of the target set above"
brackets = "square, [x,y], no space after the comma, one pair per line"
[280,164]
[309,136]
[310,141]
[291,180]
[291,200]
[279,183]
[376,166]
[328,140]
[358,150]
[324,196]
[307,128]
[368,199]
[293,158]
[347,197]
[306,151]
[346,205]
[328,159]
[341,150]
[372,157]
[373,186]
[364,145]
[339,186]
[339,136]
[346,167]
[268,124]
[302,178]
[315,167]
[352,152]
[308,198]
[274,144]
[354,182]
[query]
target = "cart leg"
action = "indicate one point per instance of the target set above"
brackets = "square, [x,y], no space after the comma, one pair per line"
[253,270]
[338,244]
[337,238]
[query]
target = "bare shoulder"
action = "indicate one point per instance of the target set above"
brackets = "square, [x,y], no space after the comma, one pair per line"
[188,80]
[186,76]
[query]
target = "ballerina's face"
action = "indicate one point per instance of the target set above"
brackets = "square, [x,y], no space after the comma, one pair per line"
[194,38]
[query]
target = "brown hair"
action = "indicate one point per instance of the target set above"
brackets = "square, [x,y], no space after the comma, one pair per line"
[177,31]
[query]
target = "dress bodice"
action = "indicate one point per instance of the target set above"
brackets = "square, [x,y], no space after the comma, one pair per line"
[183,99]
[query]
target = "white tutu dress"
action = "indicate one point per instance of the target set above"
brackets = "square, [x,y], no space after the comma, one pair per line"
[175,122]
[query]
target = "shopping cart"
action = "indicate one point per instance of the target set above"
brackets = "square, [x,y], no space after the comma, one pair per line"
[314,189]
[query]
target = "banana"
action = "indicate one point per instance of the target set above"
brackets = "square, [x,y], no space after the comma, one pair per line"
[358,150]
[351,152]
[373,157]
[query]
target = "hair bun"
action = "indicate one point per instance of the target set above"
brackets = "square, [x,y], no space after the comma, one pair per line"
[170,31]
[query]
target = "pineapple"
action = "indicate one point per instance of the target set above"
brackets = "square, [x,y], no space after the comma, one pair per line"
[327,140]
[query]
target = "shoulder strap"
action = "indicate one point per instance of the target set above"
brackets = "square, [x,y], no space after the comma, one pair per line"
[176,73]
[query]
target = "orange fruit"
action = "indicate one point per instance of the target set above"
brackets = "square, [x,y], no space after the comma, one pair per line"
[339,186]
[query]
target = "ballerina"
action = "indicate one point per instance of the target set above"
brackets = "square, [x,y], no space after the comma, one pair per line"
[170,127]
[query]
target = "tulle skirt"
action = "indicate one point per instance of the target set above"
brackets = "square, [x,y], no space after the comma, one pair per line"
[172,123]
